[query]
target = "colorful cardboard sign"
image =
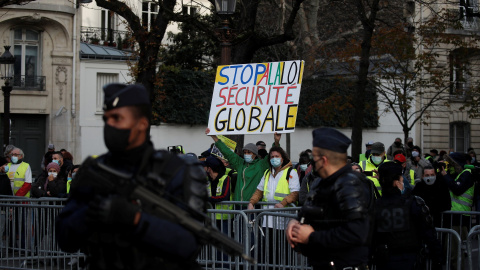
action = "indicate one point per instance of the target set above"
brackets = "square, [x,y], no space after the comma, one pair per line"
[256,98]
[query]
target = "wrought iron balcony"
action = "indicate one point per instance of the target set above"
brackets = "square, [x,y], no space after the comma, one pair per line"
[25,82]
[106,37]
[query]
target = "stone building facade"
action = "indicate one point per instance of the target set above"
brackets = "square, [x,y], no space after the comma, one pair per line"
[43,38]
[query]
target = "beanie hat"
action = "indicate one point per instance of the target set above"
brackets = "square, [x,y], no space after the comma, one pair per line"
[251,147]
[53,165]
[377,148]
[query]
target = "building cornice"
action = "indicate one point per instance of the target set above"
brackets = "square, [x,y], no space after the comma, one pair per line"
[44,7]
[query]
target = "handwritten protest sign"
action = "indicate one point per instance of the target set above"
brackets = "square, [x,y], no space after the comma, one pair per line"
[256,98]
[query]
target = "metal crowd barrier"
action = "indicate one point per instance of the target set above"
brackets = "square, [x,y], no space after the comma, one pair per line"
[473,244]
[27,230]
[463,222]
[246,227]
[27,238]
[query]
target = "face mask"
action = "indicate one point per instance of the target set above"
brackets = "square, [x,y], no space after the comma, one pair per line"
[429,180]
[52,173]
[116,139]
[315,168]
[398,144]
[303,167]
[403,190]
[56,161]
[73,175]
[473,159]
[14,160]
[376,159]
[248,158]
[415,154]
[69,178]
[276,162]
[6,168]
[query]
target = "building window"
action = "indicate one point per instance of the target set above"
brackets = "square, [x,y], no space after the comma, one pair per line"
[26,48]
[103,79]
[107,25]
[458,74]
[189,10]
[149,13]
[459,136]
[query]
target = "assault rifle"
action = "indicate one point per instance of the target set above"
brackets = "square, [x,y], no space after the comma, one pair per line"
[155,204]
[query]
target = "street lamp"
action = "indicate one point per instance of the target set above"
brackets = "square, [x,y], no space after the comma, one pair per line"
[225,34]
[226,8]
[7,60]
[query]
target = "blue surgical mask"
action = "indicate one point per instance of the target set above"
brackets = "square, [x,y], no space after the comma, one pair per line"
[276,162]
[248,158]
[376,159]
[14,159]
[415,154]
[69,178]
[303,167]
[56,161]
[52,173]
[6,168]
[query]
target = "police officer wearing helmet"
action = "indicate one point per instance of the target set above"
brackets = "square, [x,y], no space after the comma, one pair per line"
[114,232]
[334,226]
[402,224]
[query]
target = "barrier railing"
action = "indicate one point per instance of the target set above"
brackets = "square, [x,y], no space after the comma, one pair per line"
[27,238]
[472,240]
[451,254]
[27,230]
[273,250]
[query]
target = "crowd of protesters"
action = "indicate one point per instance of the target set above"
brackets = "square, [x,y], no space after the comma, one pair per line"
[54,180]
[444,180]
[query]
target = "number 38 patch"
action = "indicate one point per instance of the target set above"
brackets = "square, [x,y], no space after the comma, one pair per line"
[393,219]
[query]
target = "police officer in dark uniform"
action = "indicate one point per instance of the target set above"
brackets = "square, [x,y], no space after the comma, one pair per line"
[403,225]
[113,231]
[335,225]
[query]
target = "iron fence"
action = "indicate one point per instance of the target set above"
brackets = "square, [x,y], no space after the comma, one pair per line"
[28,241]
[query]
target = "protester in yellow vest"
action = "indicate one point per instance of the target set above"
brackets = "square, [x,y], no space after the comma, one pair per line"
[277,185]
[461,185]
[71,176]
[219,186]
[19,173]
[370,166]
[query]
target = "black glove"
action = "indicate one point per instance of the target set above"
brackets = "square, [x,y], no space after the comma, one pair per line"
[112,211]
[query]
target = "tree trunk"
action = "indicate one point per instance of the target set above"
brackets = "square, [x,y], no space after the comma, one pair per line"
[368,28]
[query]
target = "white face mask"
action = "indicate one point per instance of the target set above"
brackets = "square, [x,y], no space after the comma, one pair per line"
[415,154]
[303,167]
[52,173]
[429,180]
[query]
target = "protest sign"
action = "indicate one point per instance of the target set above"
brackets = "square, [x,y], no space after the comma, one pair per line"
[256,98]
[231,144]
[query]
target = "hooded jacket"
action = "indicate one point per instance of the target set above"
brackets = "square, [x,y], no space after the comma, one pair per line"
[249,174]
